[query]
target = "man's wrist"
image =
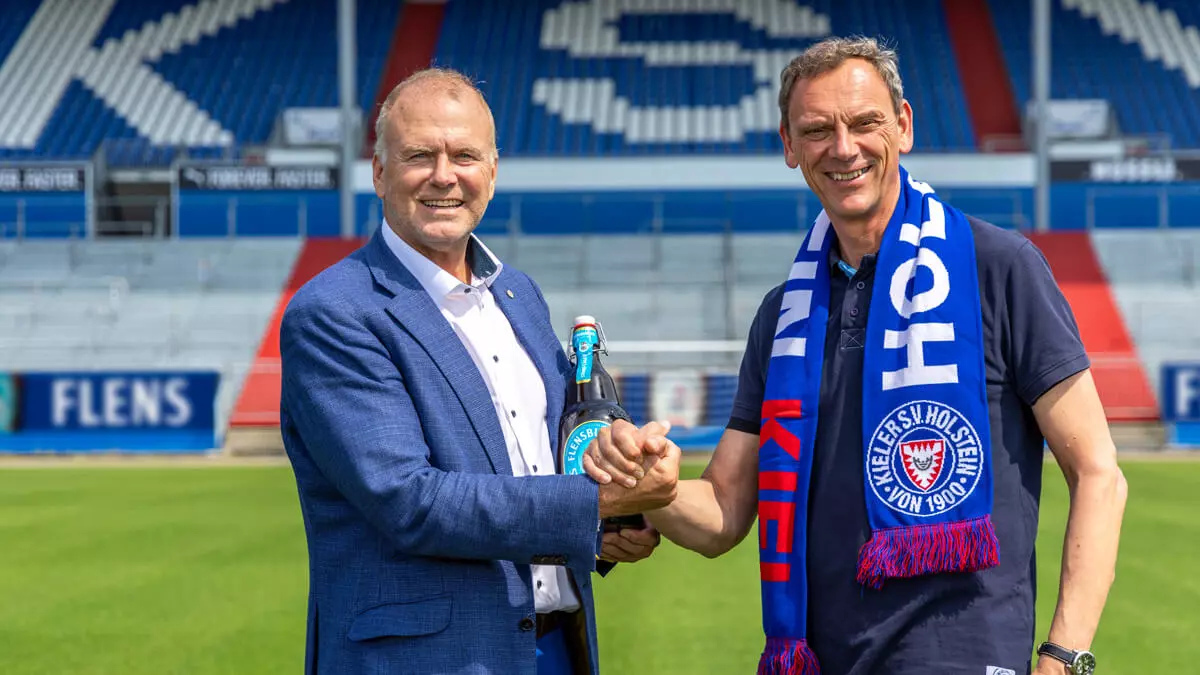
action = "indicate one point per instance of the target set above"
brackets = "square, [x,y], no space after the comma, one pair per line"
[1056,657]
[1050,666]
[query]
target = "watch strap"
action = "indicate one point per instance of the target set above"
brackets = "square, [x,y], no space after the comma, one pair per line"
[1054,651]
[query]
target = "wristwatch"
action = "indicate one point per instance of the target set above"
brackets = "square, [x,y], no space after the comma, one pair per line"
[1080,662]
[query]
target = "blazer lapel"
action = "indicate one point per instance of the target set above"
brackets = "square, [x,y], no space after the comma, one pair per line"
[417,314]
[537,337]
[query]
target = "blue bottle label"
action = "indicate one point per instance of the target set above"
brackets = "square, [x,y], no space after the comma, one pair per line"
[583,340]
[577,443]
[8,404]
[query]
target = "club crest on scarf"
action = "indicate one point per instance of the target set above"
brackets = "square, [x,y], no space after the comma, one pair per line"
[924,459]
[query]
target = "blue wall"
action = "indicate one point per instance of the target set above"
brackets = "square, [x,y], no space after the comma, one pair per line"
[264,213]
[206,213]
[59,214]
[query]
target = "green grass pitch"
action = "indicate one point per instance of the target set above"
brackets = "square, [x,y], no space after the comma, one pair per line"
[129,571]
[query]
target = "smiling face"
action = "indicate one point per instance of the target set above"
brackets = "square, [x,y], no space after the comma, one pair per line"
[845,135]
[439,172]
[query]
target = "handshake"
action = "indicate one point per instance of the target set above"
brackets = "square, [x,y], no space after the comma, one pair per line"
[637,469]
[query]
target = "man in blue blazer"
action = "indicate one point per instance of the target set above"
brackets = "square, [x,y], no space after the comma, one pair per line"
[422,390]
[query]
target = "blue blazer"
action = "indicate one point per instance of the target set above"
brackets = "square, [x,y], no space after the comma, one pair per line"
[420,540]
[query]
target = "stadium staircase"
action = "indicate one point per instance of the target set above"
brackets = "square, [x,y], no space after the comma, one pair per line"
[1155,280]
[1120,378]
[254,422]
[994,113]
[414,43]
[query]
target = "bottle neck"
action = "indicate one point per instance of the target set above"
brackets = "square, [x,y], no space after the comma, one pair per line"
[592,381]
[598,386]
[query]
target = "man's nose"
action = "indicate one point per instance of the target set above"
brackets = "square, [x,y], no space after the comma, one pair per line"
[443,172]
[844,146]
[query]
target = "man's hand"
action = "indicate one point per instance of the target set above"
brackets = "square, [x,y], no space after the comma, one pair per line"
[629,545]
[656,489]
[619,453]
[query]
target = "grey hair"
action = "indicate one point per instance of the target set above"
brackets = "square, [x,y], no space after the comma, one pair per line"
[450,80]
[830,53]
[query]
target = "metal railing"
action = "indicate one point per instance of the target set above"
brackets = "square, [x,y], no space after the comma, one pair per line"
[38,295]
[21,229]
[1166,211]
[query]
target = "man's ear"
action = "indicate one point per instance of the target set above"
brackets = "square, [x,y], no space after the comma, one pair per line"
[790,157]
[377,176]
[905,124]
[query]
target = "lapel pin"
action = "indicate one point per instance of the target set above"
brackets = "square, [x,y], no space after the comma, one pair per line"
[508,292]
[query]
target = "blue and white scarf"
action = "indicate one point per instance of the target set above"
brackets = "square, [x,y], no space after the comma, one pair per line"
[925,440]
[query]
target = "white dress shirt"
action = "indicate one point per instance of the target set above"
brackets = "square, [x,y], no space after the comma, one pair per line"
[514,383]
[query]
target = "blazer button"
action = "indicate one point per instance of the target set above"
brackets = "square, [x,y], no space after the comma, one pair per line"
[526,624]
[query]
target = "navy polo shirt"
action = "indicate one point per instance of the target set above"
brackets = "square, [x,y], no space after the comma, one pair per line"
[946,623]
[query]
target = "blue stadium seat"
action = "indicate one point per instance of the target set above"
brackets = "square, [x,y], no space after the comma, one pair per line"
[635,396]
[720,389]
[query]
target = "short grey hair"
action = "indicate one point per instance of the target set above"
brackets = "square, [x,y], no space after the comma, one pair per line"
[830,53]
[449,80]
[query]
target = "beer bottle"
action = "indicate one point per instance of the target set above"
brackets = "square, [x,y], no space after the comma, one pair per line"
[592,404]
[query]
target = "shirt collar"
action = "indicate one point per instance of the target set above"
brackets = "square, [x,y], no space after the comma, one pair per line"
[868,261]
[437,282]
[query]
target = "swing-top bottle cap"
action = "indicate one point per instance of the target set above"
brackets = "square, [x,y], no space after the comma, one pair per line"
[585,320]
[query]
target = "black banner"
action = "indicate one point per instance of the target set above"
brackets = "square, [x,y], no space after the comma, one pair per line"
[1125,170]
[239,177]
[42,179]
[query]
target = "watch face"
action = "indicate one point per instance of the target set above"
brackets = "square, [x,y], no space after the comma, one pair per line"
[1085,664]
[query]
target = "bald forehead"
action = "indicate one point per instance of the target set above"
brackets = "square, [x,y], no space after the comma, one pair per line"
[409,95]
[418,89]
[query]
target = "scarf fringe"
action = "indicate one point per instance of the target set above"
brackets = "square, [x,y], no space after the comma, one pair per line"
[788,656]
[960,546]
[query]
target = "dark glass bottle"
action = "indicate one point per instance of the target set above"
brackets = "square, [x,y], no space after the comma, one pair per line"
[592,404]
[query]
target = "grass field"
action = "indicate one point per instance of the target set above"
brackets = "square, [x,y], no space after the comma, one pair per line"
[132,571]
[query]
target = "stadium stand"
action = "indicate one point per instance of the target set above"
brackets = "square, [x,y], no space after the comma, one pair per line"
[1155,282]
[131,305]
[140,83]
[673,77]
[210,76]
[1141,57]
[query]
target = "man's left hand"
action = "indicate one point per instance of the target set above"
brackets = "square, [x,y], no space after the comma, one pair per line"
[629,545]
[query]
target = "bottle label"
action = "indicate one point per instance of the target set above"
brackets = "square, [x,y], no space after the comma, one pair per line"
[577,442]
[583,339]
[8,404]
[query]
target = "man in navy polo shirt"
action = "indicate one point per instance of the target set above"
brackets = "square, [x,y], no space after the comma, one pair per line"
[845,124]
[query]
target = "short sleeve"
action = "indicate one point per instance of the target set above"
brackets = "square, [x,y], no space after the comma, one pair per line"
[747,402]
[1044,343]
